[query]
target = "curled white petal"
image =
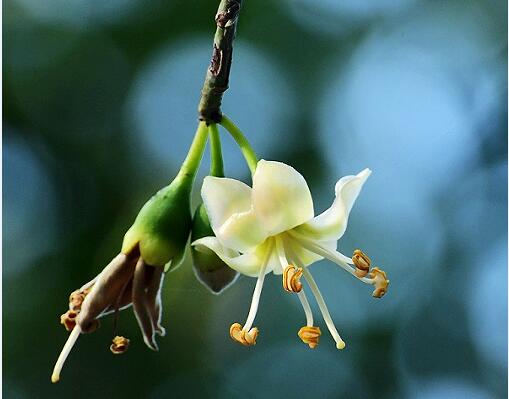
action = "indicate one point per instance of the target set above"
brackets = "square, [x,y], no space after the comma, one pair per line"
[228,205]
[224,197]
[281,197]
[248,264]
[242,232]
[331,224]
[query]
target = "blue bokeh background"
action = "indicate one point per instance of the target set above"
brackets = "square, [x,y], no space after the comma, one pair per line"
[99,108]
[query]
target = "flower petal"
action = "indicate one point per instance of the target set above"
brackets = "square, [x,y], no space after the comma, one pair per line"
[141,305]
[224,197]
[248,264]
[107,290]
[228,205]
[242,232]
[331,224]
[281,197]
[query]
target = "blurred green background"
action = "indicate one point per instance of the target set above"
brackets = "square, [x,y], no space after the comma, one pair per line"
[99,107]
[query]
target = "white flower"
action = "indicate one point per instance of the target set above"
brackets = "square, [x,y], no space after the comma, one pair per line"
[272,227]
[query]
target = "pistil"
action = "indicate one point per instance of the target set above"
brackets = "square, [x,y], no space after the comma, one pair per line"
[247,335]
[73,337]
[340,344]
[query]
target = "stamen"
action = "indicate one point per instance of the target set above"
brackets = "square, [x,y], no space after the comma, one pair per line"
[246,338]
[310,335]
[55,377]
[75,300]
[362,263]
[340,344]
[247,335]
[68,319]
[117,308]
[296,278]
[77,297]
[334,256]
[119,345]
[380,282]
[291,274]
[306,307]
[258,290]
[291,279]
[377,277]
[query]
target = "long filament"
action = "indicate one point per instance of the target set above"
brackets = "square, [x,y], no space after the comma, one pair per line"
[257,291]
[340,344]
[302,296]
[73,337]
[334,256]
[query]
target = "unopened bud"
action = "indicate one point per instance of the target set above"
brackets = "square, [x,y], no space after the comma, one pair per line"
[210,270]
[162,227]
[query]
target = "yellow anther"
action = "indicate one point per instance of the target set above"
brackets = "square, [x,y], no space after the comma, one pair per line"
[362,263]
[77,297]
[246,338]
[380,282]
[68,319]
[119,345]
[75,300]
[310,335]
[291,279]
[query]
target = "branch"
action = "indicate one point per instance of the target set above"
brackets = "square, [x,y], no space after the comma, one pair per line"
[218,73]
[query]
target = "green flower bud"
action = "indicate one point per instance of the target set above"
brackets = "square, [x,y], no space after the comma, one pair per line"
[210,270]
[162,226]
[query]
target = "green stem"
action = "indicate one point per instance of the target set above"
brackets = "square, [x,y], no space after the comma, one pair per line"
[216,156]
[218,73]
[242,142]
[193,159]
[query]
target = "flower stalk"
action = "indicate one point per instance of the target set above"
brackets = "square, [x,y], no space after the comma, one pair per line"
[242,142]
[192,161]
[216,155]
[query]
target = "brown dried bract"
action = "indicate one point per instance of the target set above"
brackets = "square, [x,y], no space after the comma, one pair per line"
[246,338]
[291,279]
[310,335]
